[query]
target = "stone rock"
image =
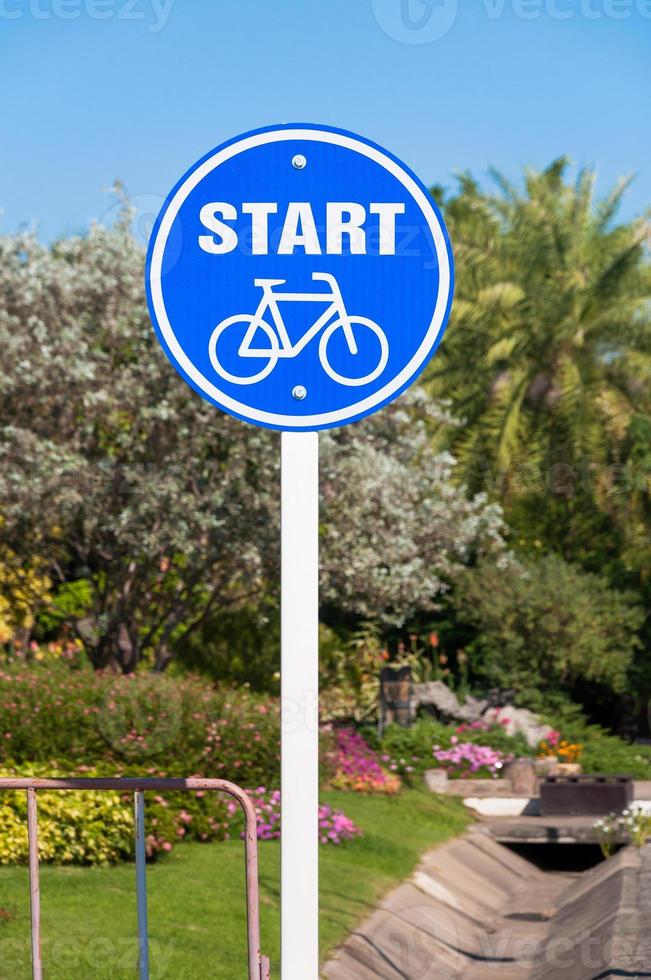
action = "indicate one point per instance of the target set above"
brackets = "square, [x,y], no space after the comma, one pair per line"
[436,780]
[518,720]
[473,709]
[438,695]
[547,766]
[522,777]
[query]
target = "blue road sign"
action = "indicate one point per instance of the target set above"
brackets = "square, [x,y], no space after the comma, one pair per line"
[299,277]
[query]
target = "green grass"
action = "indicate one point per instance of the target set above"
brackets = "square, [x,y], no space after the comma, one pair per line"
[196,897]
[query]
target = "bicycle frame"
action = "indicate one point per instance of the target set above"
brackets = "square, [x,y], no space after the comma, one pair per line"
[270,301]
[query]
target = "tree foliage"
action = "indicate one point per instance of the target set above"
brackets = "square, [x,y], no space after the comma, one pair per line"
[22,590]
[553,307]
[112,471]
[544,627]
[397,526]
[151,511]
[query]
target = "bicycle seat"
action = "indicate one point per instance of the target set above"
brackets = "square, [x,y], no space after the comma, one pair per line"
[269,282]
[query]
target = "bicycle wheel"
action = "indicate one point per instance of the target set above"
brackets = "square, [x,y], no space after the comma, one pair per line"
[255,355]
[355,321]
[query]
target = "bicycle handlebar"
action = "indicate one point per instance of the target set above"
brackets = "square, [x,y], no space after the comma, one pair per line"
[325,277]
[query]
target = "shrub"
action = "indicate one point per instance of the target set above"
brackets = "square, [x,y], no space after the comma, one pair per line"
[496,737]
[335,826]
[97,827]
[73,828]
[607,754]
[410,749]
[267,810]
[546,627]
[413,744]
[601,751]
[50,713]
[350,674]
[58,721]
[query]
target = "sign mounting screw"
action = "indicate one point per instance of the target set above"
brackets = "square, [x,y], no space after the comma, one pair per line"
[299,392]
[299,162]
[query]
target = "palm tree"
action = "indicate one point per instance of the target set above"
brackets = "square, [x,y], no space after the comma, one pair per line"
[548,355]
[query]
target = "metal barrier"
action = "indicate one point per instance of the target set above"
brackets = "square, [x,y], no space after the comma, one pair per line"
[259,968]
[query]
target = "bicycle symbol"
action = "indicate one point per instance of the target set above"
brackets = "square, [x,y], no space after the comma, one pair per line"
[280,344]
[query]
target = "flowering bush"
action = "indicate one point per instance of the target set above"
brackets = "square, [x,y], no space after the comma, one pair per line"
[563,749]
[53,714]
[55,720]
[400,766]
[358,768]
[478,726]
[267,810]
[466,759]
[334,826]
[410,749]
[63,650]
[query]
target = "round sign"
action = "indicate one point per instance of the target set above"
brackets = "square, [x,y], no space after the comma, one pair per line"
[299,277]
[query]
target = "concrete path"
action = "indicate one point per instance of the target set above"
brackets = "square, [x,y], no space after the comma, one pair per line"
[474,910]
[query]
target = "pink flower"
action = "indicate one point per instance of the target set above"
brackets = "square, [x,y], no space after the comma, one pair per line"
[466,759]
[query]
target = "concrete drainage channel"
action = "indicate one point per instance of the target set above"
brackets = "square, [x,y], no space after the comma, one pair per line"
[476,909]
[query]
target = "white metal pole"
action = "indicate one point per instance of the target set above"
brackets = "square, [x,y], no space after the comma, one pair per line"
[300,698]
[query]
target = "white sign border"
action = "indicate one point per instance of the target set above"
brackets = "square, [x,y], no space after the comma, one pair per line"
[350,412]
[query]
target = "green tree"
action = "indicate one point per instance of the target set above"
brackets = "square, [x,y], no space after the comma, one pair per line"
[152,513]
[547,628]
[112,473]
[552,312]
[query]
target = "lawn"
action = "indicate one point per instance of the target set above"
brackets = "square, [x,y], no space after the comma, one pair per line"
[196,897]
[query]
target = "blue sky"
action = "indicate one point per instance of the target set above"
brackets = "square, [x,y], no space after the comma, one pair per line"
[138,89]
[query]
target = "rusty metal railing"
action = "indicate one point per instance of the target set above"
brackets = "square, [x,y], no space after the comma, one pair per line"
[259,968]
